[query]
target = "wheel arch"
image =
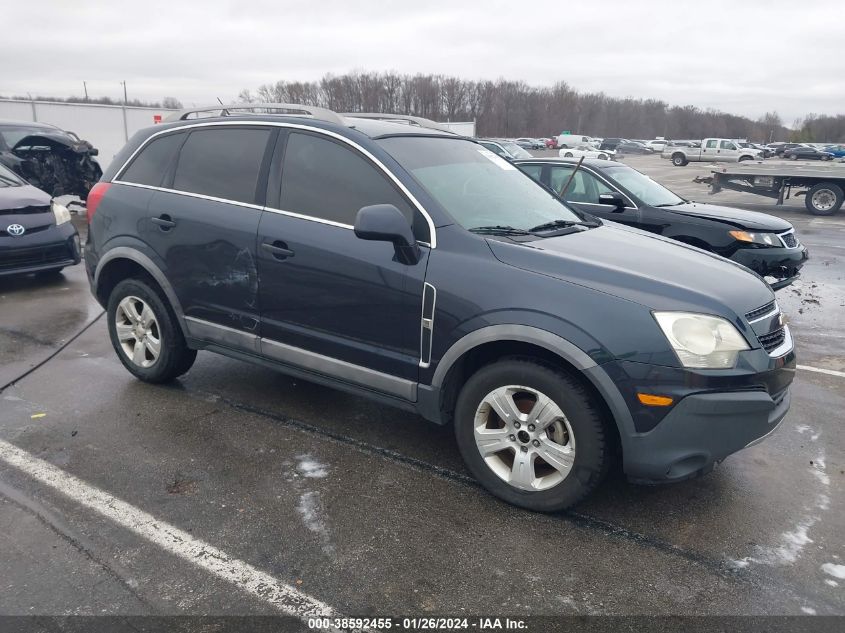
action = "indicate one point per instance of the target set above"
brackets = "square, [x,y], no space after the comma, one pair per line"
[486,345]
[123,262]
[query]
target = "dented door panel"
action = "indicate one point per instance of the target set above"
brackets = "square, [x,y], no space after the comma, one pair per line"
[209,250]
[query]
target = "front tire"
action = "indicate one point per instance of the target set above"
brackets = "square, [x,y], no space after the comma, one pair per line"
[568,155]
[531,435]
[145,333]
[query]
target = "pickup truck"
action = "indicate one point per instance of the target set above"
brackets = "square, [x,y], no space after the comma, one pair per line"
[719,150]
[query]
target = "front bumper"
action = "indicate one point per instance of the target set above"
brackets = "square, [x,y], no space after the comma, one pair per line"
[55,247]
[701,431]
[716,412]
[782,263]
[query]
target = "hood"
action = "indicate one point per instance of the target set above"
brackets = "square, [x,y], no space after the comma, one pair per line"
[653,271]
[736,217]
[54,141]
[16,199]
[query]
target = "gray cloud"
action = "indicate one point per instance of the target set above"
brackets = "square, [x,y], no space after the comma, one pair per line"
[742,57]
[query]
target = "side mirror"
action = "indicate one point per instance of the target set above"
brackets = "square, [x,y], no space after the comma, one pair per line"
[386,223]
[614,200]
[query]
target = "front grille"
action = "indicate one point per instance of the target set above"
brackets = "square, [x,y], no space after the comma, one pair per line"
[29,231]
[25,257]
[772,340]
[761,311]
[789,239]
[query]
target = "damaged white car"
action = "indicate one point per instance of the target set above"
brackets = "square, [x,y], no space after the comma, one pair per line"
[49,158]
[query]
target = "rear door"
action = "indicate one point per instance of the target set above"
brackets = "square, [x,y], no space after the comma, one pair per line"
[728,151]
[330,302]
[710,149]
[203,223]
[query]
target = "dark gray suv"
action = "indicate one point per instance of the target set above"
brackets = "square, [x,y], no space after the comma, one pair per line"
[404,263]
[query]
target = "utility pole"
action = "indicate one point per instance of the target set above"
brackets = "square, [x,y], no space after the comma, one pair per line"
[85,88]
[125,122]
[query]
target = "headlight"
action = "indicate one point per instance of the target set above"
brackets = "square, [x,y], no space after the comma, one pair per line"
[61,213]
[763,239]
[700,340]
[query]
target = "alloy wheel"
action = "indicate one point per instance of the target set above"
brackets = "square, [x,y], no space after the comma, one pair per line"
[138,331]
[524,437]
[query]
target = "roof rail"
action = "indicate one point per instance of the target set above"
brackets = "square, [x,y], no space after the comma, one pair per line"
[278,109]
[400,118]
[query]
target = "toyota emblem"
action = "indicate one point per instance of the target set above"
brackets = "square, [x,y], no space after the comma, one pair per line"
[15,230]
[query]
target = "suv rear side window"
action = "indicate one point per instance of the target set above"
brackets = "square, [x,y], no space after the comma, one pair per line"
[223,163]
[150,165]
[325,180]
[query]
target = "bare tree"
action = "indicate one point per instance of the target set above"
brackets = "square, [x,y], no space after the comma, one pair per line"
[513,108]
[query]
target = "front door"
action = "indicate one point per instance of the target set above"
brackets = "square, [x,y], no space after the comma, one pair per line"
[583,193]
[330,302]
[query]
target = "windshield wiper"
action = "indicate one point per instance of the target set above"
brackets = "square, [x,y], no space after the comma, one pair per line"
[498,230]
[561,224]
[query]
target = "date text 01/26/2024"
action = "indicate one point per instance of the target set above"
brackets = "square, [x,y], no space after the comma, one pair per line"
[419,624]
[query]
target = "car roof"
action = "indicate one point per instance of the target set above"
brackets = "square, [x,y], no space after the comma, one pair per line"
[589,162]
[34,124]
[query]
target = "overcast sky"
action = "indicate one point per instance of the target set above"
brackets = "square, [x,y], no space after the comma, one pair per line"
[740,56]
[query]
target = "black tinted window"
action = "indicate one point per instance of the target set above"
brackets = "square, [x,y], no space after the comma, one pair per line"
[222,162]
[149,165]
[326,180]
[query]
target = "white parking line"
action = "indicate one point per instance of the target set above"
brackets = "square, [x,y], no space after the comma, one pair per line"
[244,576]
[819,370]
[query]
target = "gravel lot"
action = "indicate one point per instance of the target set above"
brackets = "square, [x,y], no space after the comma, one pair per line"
[237,475]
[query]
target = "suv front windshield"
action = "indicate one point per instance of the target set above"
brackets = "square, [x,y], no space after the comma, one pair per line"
[476,187]
[643,187]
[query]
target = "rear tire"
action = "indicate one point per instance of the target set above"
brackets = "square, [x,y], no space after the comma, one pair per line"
[679,160]
[568,155]
[549,448]
[824,198]
[145,333]
[793,157]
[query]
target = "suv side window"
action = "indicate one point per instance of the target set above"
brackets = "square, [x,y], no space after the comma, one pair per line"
[222,163]
[326,180]
[585,187]
[151,163]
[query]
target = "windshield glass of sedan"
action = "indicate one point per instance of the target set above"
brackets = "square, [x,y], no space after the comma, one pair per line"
[14,134]
[643,187]
[8,178]
[476,187]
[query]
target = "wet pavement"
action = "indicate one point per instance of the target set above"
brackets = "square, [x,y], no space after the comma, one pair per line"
[369,509]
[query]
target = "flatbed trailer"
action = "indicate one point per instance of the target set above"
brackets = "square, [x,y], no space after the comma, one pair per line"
[823,186]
